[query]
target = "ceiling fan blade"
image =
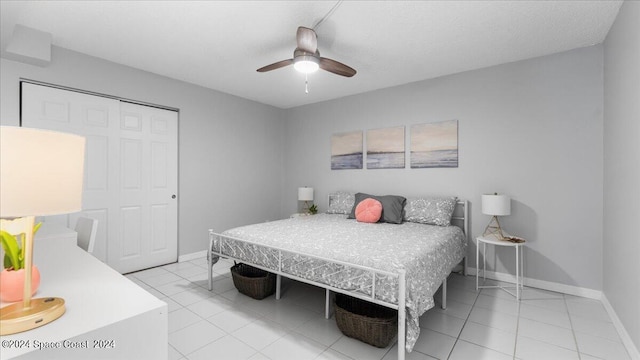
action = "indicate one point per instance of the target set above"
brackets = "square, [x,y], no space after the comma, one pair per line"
[336,67]
[307,40]
[276,65]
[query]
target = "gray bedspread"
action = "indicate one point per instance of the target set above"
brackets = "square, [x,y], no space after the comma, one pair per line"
[427,253]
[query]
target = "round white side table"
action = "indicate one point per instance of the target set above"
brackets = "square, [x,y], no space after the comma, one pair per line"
[519,249]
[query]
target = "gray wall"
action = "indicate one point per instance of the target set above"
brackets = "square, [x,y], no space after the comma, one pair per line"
[225,142]
[622,167]
[530,129]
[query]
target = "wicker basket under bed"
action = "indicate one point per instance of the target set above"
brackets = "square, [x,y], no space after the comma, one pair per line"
[370,323]
[253,282]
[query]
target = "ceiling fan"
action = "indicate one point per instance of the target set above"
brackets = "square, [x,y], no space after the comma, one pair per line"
[307,59]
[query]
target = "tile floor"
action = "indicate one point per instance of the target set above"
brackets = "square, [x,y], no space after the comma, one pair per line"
[224,324]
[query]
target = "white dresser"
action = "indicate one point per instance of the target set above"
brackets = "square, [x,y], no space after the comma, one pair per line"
[107,315]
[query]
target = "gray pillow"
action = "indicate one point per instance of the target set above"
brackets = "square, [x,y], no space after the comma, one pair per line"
[340,203]
[392,207]
[432,211]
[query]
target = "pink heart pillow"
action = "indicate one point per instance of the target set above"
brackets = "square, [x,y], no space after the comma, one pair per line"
[369,210]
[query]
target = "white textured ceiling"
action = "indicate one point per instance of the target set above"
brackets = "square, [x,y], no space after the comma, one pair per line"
[220,44]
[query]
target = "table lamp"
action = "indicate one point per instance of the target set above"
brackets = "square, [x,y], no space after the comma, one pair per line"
[305,194]
[495,205]
[41,173]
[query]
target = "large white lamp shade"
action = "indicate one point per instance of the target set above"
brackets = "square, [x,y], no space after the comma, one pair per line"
[41,173]
[496,205]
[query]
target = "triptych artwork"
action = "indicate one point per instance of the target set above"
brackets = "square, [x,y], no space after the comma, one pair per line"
[433,145]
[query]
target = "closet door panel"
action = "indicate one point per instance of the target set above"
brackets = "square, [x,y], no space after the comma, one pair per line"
[130,171]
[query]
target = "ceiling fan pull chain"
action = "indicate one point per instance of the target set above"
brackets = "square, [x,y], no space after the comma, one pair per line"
[306,83]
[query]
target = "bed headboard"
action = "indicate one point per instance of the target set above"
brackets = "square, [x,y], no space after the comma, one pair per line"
[460,217]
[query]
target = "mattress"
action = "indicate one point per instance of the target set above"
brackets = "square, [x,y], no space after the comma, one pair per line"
[293,246]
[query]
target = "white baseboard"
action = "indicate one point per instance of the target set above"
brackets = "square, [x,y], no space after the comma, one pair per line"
[572,290]
[624,335]
[542,284]
[192,256]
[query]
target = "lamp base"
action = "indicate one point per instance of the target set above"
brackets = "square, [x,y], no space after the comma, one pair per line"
[16,318]
[493,228]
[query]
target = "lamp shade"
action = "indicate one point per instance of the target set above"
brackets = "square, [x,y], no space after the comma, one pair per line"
[496,205]
[41,172]
[305,194]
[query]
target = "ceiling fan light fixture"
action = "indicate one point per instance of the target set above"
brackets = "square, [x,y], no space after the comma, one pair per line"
[306,64]
[306,57]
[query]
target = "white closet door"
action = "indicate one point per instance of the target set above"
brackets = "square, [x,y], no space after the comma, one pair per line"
[148,187]
[131,154]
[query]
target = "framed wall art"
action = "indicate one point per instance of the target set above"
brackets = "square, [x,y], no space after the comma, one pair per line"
[385,148]
[346,150]
[434,145]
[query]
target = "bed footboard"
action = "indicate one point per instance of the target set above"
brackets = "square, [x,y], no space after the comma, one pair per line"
[216,250]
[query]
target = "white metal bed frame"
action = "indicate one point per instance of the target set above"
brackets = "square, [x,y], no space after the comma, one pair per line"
[401,275]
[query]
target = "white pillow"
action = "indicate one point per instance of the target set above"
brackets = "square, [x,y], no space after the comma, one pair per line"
[432,211]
